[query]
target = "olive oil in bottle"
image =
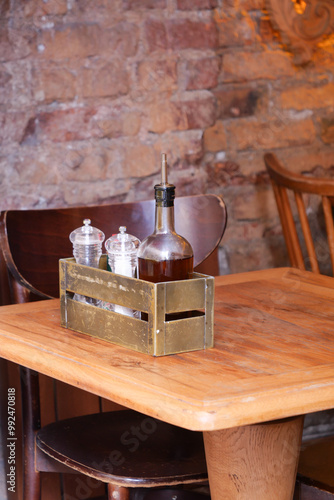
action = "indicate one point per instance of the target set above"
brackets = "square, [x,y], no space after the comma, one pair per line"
[164,255]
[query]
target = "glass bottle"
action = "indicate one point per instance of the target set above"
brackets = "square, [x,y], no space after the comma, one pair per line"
[87,250]
[165,255]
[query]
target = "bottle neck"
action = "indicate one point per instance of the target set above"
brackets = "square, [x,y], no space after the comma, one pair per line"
[164,219]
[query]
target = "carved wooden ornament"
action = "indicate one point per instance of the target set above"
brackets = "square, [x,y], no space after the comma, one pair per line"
[302,24]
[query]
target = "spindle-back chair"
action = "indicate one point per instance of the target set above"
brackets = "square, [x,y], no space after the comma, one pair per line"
[315,478]
[283,182]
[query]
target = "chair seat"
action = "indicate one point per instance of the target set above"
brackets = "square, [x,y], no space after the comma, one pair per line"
[172,494]
[126,448]
[316,464]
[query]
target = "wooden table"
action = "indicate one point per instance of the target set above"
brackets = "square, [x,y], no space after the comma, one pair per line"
[273,359]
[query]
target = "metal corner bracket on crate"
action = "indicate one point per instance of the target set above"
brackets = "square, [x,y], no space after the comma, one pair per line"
[156,336]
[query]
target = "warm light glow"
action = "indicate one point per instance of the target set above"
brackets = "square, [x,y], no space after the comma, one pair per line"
[327,43]
[300,6]
[304,25]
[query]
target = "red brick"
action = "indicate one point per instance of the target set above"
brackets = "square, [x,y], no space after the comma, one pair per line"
[237,103]
[201,73]
[99,9]
[79,40]
[302,97]
[327,130]
[162,115]
[144,4]
[304,159]
[54,83]
[182,114]
[196,4]
[253,256]
[15,43]
[215,137]
[235,31]
[227,173]
[251,4]
[140,160]
[70,41]
[54,7]
[157,74]
[266,30]
[231,4]
[86,165]
[187,34]
[4,7]
[107,80]
[199,112]
[111,127]
[5,86]
[255,203]
[251,163]
[78,124]
[12,126]
[189,181]
[119,123]
[243,66]
[121,39]
[46,8]
[251,134]
[182,145]
[43,168]
[155,35]
[61,126]
[246,230]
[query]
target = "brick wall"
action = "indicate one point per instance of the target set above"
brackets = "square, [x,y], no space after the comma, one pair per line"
[93,91]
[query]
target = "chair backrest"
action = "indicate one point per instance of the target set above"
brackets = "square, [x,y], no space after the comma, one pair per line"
[33,241]
[31,244]
[284,181]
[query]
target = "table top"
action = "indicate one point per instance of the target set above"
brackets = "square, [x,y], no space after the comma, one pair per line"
[273,355]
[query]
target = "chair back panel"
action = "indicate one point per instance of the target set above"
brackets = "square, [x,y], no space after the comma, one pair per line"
[31,244]
[33,241]
[284,182]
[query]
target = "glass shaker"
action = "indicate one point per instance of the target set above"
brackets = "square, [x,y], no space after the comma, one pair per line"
[122,259]
[87,250]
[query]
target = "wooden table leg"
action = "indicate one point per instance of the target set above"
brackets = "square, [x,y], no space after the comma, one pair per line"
[254,462]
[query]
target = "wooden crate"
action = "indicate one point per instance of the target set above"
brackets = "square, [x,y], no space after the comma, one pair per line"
[157,336]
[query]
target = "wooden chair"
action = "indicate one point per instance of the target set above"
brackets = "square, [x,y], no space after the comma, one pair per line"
[284,181]
[32,242]
[315,479]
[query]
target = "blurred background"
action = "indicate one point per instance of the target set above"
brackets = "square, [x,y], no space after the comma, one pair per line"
[92,92]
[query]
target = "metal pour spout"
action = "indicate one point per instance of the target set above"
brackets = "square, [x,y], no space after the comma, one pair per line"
[164,169]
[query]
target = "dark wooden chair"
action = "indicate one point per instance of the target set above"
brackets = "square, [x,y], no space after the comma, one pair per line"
[315,478]
[300,185]
[32,242]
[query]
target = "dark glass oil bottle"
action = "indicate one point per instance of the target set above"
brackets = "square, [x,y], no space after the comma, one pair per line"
[164,255]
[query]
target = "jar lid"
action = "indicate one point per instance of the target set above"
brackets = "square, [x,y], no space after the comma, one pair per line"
[122,243]
[87,234]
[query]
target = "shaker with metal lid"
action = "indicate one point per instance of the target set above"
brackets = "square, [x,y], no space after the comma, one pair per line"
[87,250]
[122,259]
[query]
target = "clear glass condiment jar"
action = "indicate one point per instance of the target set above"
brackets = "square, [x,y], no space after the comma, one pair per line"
[87,250]
[122,251]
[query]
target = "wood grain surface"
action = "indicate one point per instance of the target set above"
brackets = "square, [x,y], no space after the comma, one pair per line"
[273,355]
[254,462]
